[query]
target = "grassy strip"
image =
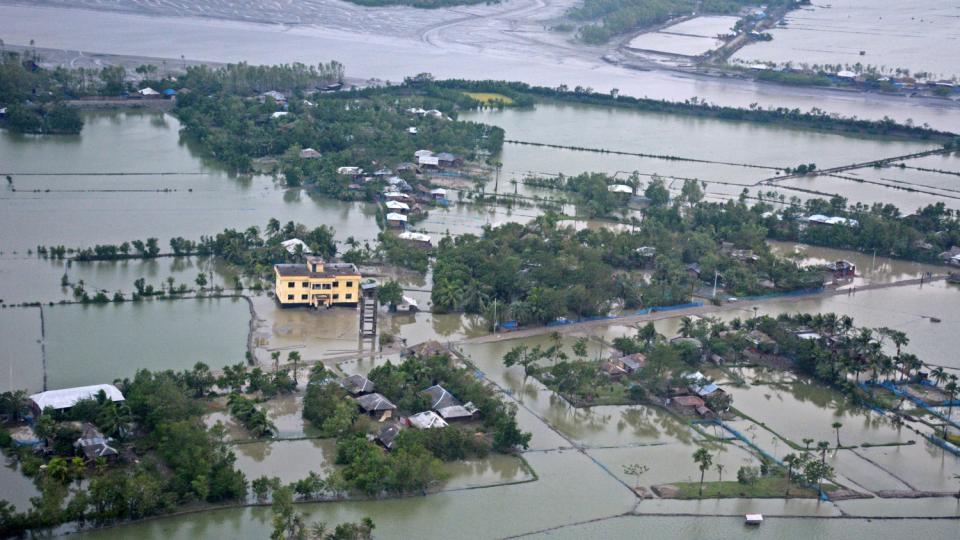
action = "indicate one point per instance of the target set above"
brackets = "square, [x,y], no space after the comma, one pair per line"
[770,487]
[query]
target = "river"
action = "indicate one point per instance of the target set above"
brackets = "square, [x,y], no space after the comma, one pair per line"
[475,45]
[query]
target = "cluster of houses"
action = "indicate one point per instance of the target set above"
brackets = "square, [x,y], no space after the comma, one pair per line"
[91,444]
[694,398]
[444,408]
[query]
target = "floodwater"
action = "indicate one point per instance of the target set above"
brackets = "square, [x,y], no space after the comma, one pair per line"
[473,44]
[689,38]
[22,364]
[893,34]
[150,184]
[25,278]
[737,155]
[91,344]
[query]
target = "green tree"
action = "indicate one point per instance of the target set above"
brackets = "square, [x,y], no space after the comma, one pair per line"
[704,460]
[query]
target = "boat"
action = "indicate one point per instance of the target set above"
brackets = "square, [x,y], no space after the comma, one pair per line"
[934,319]
[754,519]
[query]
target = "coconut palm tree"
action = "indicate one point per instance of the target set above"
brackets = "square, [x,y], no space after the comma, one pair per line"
[704,460]
[792,461]
[938,374]
[823,446]
[836,426]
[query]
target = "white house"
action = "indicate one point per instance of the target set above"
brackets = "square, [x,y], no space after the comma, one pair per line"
[417,238]
[428,161]
[350,171]
[397,206]
[620,188]
[279,114]
[396,220]
[291,246]
[309,153]
[148,92]
[68,397]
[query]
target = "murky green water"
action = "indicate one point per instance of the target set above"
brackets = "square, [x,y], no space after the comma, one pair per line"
[98,343]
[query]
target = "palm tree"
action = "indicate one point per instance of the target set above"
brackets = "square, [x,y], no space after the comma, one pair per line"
[951,389]
[275,355]
[702,458]
[686,327]
[836,426]
[807,443]
[719,467]
[939,375]
[792,461]
[294,358]
[823,446]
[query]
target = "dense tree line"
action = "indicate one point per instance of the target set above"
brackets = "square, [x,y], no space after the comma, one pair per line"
[814,119]
[33,97]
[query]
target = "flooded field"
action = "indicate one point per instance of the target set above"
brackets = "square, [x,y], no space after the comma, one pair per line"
[150,184]
[22,358]
[689,38]
[98,343]
[878,32]
[729,156]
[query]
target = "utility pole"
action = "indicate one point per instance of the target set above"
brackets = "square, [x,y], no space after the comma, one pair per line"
[495,325]
[715,275]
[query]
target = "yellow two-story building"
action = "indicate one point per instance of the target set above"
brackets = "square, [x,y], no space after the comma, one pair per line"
[317,283]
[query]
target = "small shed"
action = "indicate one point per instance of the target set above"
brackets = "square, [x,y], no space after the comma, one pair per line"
[376,406]
[388,434]
[397,206]
[357,385]
[427,420]
[94,445]
[440,398]
[396,220]
[309,153]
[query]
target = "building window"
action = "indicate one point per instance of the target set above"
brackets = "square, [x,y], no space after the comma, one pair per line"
[336,283]
[316,285]
[326,286]
[303,297]
[349,284]
[306,284]
[291,284]
[336,297]
[349,296]
[289,297]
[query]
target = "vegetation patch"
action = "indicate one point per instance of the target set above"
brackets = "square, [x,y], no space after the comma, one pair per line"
[490,98]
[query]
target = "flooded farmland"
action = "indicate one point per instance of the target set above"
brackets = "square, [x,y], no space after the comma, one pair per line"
[869,32]
[728,156]
[89,344]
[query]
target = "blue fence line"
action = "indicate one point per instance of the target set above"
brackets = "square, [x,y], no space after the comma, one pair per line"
[647,311]
[798,292]
[949,447]
[917,401]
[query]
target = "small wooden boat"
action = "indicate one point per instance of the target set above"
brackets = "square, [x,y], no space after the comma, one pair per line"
[754,519]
